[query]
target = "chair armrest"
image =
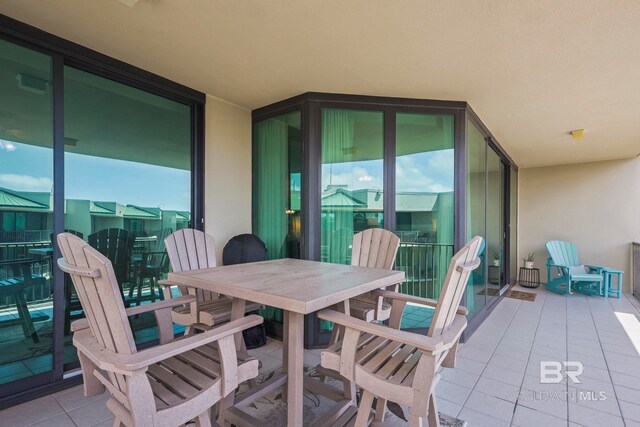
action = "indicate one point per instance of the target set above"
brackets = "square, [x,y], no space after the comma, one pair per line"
[168,303]
[429,344]
[81,324]
[416,300]
[126,364]
[166,283]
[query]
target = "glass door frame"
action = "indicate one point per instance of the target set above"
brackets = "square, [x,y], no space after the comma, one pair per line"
[63,53]
[506,163]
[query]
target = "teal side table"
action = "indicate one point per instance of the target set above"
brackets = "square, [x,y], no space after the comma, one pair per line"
[608,274]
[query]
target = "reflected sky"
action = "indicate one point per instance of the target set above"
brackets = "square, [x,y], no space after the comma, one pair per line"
[30,168]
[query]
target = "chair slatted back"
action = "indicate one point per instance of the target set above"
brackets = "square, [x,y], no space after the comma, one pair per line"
[190,249]
[374,248]
[455,282]
[117,245]
[563,253]
[100,298]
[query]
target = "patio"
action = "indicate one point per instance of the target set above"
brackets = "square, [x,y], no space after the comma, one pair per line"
[496,381]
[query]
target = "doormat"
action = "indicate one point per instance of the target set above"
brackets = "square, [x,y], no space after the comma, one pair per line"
[524,296]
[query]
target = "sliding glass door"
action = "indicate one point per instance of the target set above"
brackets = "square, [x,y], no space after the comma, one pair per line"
[127,156]
[84,149]
[495,226]
[486,217]
[26,215]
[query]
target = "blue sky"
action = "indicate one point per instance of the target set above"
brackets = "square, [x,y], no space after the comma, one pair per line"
[30,168]
[428,171]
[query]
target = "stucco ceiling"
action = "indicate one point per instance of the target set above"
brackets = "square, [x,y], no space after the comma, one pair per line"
[532,69]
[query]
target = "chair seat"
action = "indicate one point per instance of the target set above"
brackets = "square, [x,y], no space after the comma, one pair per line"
[210,313]
[386,359]
[180,378]
[366,310]
[586,277]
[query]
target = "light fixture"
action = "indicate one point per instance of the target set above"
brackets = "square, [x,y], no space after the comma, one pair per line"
[71,142]
[290,212]
[7,146]
[577,134]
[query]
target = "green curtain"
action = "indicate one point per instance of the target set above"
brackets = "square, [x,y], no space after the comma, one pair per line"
[271,187]
[337,217]
[444,235]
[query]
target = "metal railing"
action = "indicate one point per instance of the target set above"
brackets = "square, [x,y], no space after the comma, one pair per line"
[635,250]
[425,266]
[25,236]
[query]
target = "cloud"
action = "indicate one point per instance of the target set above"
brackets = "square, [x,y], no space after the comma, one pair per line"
[356,178]
[25,182]
[425,172]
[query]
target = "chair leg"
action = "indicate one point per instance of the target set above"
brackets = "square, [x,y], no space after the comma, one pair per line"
[203,420]
[415,421]
[434,416]
[364,409]
[381,409]
[25,317]
[225,403]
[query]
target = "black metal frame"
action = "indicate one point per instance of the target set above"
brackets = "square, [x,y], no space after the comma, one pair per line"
[310,105]
[66,53]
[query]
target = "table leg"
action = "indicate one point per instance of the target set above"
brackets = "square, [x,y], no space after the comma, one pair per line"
[294,364]
[237,312]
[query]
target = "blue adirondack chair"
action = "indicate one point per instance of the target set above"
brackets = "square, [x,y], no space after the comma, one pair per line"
[565,272]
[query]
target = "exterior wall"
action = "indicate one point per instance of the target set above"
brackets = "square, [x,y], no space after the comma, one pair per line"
[594,205]
[227,171]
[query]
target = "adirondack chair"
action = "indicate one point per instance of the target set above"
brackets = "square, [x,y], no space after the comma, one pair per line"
[166,385]
[190,249]
[152,265]
[71,301]
[569,272]
[374,248]
[117,245]
[400,366]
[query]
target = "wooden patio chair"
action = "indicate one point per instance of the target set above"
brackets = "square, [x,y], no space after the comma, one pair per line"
[166,385]
[117,245]
[190,249]
[400,366]
[373,248]
[152,265]
[564,258]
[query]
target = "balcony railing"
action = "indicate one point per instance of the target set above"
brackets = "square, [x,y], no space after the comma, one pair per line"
[425,266]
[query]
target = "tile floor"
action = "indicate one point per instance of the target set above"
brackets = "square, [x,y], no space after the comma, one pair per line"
[496,381]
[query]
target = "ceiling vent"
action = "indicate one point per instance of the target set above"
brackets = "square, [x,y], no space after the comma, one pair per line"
[32,84]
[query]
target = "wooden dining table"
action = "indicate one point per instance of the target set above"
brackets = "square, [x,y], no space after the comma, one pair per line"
[297,287]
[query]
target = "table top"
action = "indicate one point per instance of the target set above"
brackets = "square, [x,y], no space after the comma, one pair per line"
[290,284]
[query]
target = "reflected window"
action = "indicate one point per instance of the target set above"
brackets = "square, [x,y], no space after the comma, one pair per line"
[127,185]
[26,213]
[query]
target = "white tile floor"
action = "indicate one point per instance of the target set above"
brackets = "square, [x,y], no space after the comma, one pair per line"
[496,381]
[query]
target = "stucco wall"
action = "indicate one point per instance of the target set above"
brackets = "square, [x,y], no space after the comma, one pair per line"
[596,205]
[227,171]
